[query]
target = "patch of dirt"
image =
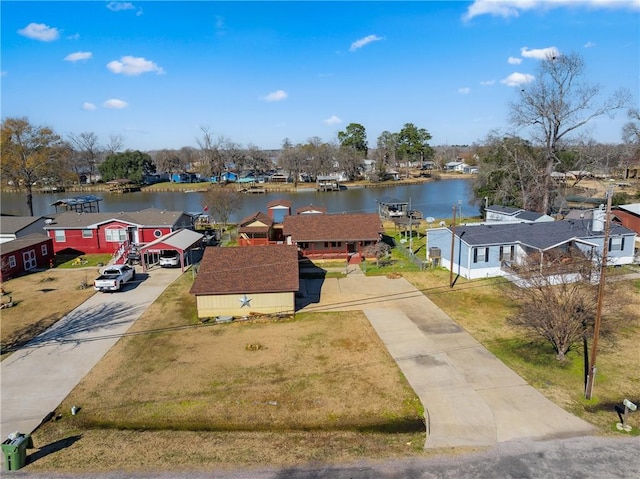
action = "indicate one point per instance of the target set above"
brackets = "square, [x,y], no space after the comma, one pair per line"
[40,300]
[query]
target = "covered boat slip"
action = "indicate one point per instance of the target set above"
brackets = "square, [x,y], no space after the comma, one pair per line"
[183,241]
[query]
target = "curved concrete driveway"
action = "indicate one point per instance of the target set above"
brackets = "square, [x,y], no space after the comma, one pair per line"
[470,397]
[39,376]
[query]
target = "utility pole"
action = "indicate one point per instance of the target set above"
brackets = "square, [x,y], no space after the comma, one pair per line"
[453,243]
[596,327]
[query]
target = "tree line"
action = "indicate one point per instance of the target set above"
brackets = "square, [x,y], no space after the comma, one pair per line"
[516,167]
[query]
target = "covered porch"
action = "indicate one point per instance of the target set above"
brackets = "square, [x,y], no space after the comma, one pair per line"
[183,241]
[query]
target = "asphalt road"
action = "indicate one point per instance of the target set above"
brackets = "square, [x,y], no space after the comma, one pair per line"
[582,457]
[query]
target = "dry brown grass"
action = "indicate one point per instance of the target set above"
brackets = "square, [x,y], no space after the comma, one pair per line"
[479,306]
[41,299]
[281,392]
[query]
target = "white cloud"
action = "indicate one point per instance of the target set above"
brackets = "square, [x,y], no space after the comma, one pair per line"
[517,79]
[129,65]
[464,91]
[115,104]
[89,106]
[221,28]
[589,45]
[364,41]
[514,61]
[487,82]
[75,36]
[40,31]
[120,6]
[540,53]
[77,56]
[277,95]
[512,8]
[332,120]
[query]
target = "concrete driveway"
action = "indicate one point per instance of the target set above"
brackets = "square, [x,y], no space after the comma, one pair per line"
[35,379]
[470,397]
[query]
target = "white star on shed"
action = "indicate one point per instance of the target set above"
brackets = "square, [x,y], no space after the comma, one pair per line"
[245,301]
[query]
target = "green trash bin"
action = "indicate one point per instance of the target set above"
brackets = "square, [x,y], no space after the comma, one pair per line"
[15,451]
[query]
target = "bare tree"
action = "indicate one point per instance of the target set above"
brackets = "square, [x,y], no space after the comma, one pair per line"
[168,161]
[222,201]
[557,104]
[558,302]
[88,153]
[212,161]
[115,144]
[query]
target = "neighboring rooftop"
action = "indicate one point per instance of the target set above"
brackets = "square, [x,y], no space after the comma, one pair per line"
[333,227]
[258,269]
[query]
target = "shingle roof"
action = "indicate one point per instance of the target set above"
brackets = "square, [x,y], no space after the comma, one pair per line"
[150,217]
[280,202]
[541,236]
[257,216]
[311,209]
[249,269]
[333,227]
[13,224]
[507,210]
[24,242]
[529,215]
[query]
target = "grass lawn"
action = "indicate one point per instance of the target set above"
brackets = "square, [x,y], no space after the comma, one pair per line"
[182,394]
[479,306]
[40,300]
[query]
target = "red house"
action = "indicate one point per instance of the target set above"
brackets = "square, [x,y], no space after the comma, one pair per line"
[113,233]
[333,235]
[255,230]
[19,256]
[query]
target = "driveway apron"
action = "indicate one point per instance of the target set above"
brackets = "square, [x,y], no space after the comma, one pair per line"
[36,378]
[470,397]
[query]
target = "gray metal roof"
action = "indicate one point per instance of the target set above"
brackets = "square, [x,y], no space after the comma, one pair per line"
[151,217]
[180,240]
[633,208]
[541,236]
[24,242]
[13,224]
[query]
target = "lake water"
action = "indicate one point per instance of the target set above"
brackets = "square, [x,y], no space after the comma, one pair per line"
[435,199]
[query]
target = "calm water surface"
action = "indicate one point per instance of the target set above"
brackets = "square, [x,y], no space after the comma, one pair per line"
[435,199]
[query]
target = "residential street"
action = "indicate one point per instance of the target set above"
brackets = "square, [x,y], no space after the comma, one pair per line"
[584,457]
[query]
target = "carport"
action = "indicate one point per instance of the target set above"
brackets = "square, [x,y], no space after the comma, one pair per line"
[182,241]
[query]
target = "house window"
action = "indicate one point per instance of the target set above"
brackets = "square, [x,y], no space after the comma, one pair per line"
[336,244]
[29,259]
[616,244]
[60,236]
[326,244]
[43,250]
[12,261]
[157,233]
[303,245]
[507,253]
[116,235]
[87,233]
[480,255]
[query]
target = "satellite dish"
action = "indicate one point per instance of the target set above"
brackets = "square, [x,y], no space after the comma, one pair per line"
[430,219]
[442,223]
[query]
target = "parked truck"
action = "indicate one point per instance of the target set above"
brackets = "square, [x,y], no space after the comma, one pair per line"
[113,277]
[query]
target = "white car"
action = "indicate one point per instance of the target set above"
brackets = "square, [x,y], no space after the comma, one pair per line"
[169,258]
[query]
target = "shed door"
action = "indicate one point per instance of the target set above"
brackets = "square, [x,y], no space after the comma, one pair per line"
[29,259]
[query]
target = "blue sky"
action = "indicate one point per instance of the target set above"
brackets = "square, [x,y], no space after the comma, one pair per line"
[155,73]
